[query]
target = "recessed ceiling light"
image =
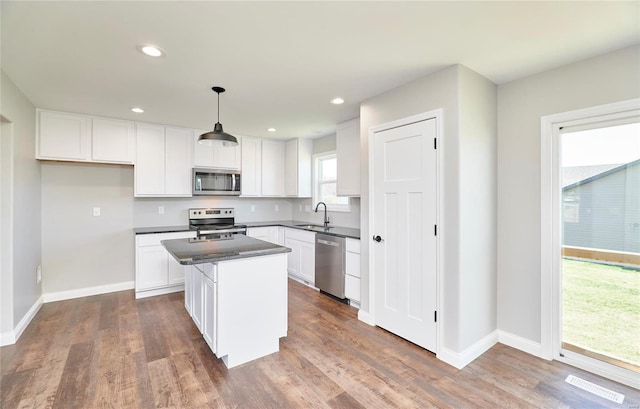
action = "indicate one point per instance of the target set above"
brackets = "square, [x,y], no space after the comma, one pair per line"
[151,50]
[337,101]
[137,110]
[271,129]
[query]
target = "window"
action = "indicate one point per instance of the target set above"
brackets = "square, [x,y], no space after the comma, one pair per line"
[325,182]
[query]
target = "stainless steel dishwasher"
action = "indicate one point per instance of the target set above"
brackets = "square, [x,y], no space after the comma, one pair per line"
[330,253]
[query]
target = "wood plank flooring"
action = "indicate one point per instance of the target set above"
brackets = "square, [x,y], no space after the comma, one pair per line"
[111,351]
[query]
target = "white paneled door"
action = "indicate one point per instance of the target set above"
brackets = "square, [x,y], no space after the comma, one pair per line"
[404,219]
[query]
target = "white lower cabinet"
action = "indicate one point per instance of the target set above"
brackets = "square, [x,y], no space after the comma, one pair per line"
[270,234]
[209,293]
[197,307]
[157,272]
[301,263]
[188,289]
[352,271]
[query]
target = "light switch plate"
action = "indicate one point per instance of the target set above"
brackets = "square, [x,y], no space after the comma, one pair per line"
[96,211]
[160,209]
[253,208]
[276,208]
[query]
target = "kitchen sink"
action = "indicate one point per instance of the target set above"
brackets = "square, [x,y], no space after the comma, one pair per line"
[313,226]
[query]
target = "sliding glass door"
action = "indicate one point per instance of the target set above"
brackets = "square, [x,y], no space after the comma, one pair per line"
[599,163]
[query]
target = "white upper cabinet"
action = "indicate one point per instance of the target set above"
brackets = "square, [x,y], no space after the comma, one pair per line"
[297,170]
[348,154]
[82,138]
[216,155]
[251,174]
[163,161]
[272,168]
[113,140]
[63,136]
[179,144]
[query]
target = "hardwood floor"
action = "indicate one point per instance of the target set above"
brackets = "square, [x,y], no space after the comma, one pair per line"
[111,351]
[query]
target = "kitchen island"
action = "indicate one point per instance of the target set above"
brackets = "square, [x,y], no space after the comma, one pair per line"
[236,293]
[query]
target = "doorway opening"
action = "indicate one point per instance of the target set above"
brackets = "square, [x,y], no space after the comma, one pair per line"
[590,239]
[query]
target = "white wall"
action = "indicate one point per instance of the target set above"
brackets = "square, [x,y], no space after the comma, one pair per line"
[467,190]
[25,239]
[478,203]
[601,80]
[6,227]
[78,249]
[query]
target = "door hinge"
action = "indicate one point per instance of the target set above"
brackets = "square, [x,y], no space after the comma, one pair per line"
[435,229]
[435,143]
[435,316]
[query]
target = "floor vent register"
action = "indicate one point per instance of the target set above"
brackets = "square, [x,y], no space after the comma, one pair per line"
[595,389]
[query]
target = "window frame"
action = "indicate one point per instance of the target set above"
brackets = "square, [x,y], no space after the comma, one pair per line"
[317,183]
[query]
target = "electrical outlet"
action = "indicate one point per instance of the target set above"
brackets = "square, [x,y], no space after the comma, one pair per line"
[300,208]
[276,208]
[96,211]
[160,209]
[38,274]
[307,208]
[253,208]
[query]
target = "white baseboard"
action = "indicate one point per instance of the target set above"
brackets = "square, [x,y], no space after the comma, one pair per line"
[11,337]
[520,343]
[88,291]
[464,358]
[159,291]
[365,317]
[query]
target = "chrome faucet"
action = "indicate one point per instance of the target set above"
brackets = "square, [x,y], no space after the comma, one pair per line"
[326,220]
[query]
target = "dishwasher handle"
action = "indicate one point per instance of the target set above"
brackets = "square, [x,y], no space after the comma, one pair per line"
[328,243]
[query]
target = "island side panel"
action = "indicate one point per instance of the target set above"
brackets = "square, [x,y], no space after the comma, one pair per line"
[252,307]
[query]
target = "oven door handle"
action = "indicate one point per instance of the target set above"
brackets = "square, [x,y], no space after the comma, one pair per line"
[220,231]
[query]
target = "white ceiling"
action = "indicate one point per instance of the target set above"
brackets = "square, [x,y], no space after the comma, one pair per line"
[281,62]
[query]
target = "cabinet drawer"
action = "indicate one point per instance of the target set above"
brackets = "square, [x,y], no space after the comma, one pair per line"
[352,264]
[155,239]
[352,288]
[353,245]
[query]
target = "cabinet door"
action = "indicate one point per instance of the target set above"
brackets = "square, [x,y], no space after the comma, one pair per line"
[149,168]
[112,140]
[152,268]
[196,312]
[251,167]
[203,153]
[178,161]
[274,235]
[293,257]
[291,168]
[176,271]
[272,168]
[188,288]
[209,312]
[348,154]
[308,262]
[63,136]
[352,288]
[260,233]
[228,157]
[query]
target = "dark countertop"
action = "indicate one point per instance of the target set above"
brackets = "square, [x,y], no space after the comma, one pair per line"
[236,246]
[163,229]
[333,230]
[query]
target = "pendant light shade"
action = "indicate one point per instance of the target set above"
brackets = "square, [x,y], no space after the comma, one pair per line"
[218,134]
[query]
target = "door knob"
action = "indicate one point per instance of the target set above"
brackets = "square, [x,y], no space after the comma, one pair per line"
[377,238]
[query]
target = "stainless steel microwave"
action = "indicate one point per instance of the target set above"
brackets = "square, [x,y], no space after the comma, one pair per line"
[215,182]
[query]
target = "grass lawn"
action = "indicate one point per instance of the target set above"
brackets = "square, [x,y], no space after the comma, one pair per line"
[601,309]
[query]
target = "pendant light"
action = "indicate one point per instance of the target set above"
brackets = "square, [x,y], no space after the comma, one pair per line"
[218,134]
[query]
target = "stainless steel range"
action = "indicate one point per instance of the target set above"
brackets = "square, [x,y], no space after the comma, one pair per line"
[213,222]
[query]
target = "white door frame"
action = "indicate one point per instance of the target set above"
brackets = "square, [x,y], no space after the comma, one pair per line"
[436,114]
[550,232]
